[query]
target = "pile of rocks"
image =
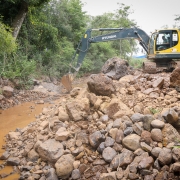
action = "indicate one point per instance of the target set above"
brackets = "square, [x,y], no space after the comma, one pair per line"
[10,96]
[114,129]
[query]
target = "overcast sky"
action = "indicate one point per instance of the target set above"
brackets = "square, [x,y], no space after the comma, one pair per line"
[148,14]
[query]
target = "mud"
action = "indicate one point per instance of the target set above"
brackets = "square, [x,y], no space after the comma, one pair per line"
[16,117]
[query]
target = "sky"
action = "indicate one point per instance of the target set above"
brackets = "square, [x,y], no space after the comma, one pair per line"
[148,14]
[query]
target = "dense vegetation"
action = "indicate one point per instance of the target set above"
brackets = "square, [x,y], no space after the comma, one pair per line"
[39,37]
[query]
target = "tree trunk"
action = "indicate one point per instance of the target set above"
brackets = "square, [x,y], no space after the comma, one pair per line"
[18,20]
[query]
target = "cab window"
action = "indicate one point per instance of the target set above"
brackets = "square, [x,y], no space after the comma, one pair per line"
[163,41]
[166,39]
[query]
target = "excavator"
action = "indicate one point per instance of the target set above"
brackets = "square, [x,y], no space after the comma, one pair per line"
[162,48]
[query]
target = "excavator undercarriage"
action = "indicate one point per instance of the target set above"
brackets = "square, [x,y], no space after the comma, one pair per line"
[160,66]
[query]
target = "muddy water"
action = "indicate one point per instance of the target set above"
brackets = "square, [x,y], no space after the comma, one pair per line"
[16,117]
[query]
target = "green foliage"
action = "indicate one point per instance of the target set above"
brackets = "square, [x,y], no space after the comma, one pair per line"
[50,34]
[154,110]
[7,42]
[56,64]
[101,52]
[19,67]
[136,62]
[9,9]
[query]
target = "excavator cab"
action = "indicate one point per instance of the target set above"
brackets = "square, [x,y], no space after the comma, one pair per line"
[163,51]
[167,41]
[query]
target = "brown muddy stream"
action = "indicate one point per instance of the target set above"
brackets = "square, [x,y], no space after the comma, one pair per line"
[16,117]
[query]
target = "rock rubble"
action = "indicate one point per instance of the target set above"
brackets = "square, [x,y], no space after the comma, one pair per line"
[130,132]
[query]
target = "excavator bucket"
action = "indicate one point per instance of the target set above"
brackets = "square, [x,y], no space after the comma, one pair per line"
[66,81]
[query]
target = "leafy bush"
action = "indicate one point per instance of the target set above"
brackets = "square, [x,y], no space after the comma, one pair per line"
[19,67]
[7,42]
[136,62]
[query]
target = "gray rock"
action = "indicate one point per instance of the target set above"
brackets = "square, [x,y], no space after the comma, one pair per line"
[157,124]
[119,136]
[156,135]
[176,154]
[117,147]
[147,122]
[109,142]
[75,174]
[115,68]
[83,137]
[146,147]
[139,152]
[96,138]
[170,116]
[133,167]
[137,117]
[13,161]
[128,130]
[117,123]
[51,174]
[157,165]
[33,155]
[99,162]
[50,150]
[165,156]
[62,134]
[131,142]
[146,163]
[104,118]
[5,155]
[176,167]
[101,147]
[123,159]
[64,166]
[137,129]
[108,154]
[155,151]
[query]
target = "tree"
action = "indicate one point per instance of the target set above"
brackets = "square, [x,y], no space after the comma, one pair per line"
[124,46]
[7,42]
[177,21]
[100,52]
[14,12]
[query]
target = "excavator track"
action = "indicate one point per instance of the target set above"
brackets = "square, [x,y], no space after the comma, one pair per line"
[149,67]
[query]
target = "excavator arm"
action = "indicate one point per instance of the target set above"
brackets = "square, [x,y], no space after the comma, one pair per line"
[87,39]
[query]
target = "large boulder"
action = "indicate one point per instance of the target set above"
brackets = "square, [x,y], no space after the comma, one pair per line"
[101,84]
[50,150]
[175,78]
[78,109]
[115,68]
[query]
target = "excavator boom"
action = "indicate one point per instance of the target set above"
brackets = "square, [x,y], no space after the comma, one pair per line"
[162,48]
[87,39]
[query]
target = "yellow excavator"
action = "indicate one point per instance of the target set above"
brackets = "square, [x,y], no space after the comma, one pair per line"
[162,48]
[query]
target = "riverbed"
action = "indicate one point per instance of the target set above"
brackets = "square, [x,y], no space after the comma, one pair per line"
[16,117]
